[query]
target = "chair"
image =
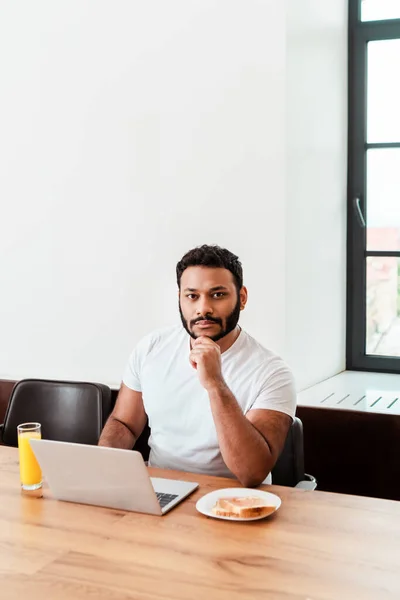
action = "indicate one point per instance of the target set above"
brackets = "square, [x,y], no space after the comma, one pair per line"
[142,443]
[68,411]
[289,468]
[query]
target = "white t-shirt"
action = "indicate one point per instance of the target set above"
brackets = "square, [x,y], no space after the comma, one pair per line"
[183,434]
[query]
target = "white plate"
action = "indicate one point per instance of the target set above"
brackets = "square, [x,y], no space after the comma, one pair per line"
[206,503]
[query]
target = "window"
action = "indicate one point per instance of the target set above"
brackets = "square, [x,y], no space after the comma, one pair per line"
[375,10]
[373,315]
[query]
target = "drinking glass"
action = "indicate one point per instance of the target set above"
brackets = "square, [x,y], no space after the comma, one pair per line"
[30,471]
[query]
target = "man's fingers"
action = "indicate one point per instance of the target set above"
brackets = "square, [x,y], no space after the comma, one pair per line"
[196,355]
[205,347]
[200,347]
[203,340]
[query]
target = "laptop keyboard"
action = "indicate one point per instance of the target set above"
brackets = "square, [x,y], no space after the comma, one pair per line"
[165,499]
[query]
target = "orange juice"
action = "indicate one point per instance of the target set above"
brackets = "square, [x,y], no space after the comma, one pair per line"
[31,474]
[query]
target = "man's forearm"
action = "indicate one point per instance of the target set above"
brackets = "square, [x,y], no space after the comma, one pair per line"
[116,435]
[244,450]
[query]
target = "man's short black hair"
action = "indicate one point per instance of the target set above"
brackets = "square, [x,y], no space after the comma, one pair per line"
[214,257]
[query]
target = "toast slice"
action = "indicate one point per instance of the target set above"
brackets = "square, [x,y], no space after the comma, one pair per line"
[246,507]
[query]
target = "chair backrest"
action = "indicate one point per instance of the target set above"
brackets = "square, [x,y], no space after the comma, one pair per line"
[68,411]
[142,443]
[289,468]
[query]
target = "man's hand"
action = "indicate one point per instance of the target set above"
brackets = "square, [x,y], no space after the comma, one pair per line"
[205,356]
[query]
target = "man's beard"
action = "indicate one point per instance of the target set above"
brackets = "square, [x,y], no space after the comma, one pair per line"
[231,322]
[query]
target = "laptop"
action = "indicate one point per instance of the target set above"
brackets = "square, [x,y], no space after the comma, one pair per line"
[106,477]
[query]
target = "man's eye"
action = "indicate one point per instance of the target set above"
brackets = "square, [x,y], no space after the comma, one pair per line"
[219,295]
[191,296]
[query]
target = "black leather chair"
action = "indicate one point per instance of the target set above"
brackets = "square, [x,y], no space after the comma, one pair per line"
[68,411]
[289,468]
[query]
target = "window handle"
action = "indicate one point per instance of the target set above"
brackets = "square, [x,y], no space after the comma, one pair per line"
[358,211]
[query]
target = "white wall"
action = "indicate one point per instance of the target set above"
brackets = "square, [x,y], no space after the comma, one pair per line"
[130,132]
[316,146]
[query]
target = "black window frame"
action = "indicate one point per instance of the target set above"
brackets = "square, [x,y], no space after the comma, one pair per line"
[360,33]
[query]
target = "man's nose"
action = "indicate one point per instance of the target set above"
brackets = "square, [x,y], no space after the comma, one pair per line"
[204,307]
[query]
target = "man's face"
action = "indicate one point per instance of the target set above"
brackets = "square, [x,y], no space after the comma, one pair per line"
[209,303]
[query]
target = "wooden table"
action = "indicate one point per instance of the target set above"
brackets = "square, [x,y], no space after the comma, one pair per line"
[318,546]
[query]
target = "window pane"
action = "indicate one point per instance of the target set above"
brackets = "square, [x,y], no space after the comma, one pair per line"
[383,100]
[383,199]
[383,304]
[376,10]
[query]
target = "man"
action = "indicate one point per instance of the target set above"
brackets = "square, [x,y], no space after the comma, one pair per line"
[217,401]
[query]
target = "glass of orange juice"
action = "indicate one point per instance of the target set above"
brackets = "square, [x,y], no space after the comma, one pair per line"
[30,472]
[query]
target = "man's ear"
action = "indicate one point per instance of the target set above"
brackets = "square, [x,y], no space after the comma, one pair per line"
[243,297]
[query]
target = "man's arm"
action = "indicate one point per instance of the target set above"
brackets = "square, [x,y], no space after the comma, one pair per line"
[126,421]
[250,445]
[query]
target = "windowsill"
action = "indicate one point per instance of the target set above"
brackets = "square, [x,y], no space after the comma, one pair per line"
[356,390]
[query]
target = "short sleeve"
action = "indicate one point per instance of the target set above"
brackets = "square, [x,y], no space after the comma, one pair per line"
[133,370]
[278,391]
[131,377]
